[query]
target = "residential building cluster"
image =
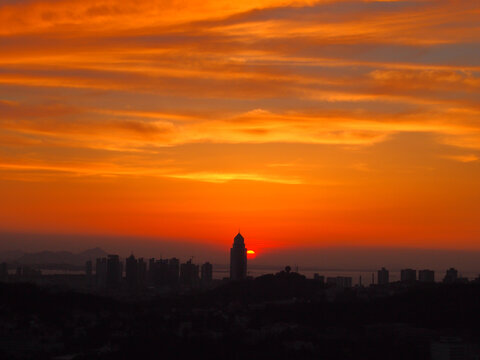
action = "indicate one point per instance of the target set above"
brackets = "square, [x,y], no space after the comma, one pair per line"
[407,276]
[135,274]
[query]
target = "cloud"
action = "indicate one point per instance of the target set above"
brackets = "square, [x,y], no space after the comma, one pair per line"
[463,158]
[32,172]
[105,15]
[226,177]
[130,78]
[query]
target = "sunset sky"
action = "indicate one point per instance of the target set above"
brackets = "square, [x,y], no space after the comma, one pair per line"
[304,124]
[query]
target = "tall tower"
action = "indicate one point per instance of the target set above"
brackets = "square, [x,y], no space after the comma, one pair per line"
[238,259]
[114,271]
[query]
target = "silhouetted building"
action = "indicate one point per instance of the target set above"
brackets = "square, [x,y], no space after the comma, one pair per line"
[88,268]
[163,272]
[101,272]
[331,280]
[173,271]
[160,272]
[207,273]
[341,282]
[26,273]
[319,278]
[408,275]
[3,271]
[450,348]
[427,276]
[89,272]
[451,276]
[151,271]
[189,274]
[238,259]
[131,273]
[383,276]
[142,273]
[114,271]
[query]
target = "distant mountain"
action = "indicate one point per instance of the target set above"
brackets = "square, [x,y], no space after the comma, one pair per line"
[52,257]
[11,255]
[92,254]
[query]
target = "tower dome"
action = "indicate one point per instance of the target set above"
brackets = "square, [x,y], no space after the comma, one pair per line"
[239,238]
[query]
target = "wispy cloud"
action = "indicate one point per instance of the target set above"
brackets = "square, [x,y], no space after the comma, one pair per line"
[463,158]
[225,177]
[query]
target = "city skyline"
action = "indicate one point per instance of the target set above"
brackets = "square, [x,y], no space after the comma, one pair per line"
[110,270]
[139,275]
[359,258]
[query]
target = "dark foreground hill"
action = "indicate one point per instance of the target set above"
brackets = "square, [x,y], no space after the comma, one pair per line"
[272,317]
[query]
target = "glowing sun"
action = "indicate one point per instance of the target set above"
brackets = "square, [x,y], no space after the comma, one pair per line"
[251,254]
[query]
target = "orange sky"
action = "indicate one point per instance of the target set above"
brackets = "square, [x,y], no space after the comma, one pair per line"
[303,123]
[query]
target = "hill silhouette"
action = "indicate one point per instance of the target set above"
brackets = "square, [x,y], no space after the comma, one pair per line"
[52,257]
[280,316]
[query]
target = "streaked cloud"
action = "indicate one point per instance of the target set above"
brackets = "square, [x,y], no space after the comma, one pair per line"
[463,158]
[225,177]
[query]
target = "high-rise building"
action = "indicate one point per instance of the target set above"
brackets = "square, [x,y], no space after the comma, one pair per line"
[319,278]
[162,272]
[408,275]
[331,280]
[101,272]
[173,271]
[142,273]
[189,274]
[207,273]
[340,282]
[343,282]
[131,273]
[427,276]
[159,272]
[451,276]
[238,259]
[383,276]
[151,271]
[114,271]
